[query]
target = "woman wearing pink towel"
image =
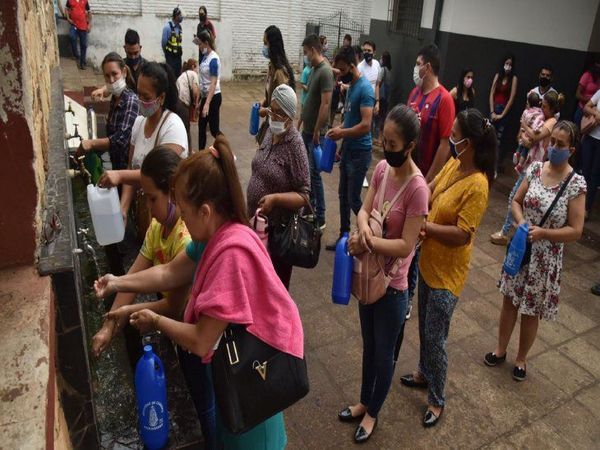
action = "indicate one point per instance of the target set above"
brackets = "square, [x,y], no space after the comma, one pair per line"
[234,283]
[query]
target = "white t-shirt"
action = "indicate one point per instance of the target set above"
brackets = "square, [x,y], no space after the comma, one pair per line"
[210,66]
[595,133]
[183,85]
[537,91]
[172,132]
[370,72]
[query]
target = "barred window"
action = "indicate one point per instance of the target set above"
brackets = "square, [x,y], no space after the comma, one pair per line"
[405,16]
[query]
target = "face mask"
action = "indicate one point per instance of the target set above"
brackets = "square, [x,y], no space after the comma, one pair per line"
[202,17]
[416,78]
[395,159]
[277,127]
[265,51]
[468,82]
[147,109]
[544,82]
[368,57]
[507,68]
[557,156]
[205,50]
[306,61]
[117,87]
[453,151]
[346,78]
[133,61]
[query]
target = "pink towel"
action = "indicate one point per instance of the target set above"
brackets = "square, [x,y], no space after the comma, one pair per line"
[236,283]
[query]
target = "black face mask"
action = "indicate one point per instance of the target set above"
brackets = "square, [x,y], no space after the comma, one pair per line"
[544,82]
[368,57]
[202,17]
[395,159]
[346,78]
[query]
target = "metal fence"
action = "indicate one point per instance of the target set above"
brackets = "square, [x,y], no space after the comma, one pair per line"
[335,27]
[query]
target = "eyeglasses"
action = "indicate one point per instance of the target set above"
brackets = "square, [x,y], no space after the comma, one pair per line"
[275,115]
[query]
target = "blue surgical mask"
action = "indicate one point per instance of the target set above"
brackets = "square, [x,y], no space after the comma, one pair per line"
[557,156]
[453,150]
[306,61]
[265,51]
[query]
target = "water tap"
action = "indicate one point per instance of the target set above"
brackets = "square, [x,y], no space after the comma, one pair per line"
[70,110]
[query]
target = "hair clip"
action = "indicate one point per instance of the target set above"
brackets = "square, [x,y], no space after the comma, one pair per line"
[486,123]
[213,151]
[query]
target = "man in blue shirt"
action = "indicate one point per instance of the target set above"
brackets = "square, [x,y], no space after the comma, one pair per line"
[356,134]
[171,42]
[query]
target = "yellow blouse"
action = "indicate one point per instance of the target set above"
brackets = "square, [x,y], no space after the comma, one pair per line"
[459,202]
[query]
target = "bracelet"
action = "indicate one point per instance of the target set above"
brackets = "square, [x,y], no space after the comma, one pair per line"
[155,321]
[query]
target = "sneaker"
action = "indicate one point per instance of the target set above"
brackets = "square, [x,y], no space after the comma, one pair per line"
[499,238]
[596,289]
[322,224]
[492,360]
[519,373]
[408,309]
[365,183]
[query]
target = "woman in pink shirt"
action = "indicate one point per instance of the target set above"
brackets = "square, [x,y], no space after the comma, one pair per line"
[382,322]
[235,283]
[589,83]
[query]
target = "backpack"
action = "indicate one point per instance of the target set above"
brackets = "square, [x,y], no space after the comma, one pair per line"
[369,278]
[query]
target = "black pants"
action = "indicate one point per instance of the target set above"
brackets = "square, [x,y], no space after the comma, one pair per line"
[212,120]
[174,62]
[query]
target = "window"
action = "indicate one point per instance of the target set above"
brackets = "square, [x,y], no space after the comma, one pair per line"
[405,16]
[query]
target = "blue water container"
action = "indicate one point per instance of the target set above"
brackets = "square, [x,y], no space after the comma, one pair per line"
[254,119]
[151,394]
[342,272]
[516,251]
[328,157]
[317,155]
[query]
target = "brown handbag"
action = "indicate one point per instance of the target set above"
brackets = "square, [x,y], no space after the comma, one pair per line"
[588,123]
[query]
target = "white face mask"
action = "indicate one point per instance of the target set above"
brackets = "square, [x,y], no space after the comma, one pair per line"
[277,128]
[205,50]
[416,78]
[117,87]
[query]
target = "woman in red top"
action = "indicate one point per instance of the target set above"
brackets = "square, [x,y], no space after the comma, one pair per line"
[502,95]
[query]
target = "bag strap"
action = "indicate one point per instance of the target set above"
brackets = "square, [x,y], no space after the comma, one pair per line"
[160,128]
[557,197]
[187,75]
[397,196]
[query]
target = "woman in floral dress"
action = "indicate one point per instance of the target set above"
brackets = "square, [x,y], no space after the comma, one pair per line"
[534,291]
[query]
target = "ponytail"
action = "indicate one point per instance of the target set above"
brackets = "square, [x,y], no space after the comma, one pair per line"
[482,135]
[210,175]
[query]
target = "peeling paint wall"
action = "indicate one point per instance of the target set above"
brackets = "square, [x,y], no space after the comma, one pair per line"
[28,51]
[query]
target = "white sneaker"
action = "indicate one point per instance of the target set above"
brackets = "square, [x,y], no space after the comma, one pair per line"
[365,183]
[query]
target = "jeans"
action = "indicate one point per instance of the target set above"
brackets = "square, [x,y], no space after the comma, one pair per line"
[81,53]
[317,193]
[212,120]
[591,168]
[499,125]
[380,324]
[435,313]
[198,380]
[508,222]
[353,168]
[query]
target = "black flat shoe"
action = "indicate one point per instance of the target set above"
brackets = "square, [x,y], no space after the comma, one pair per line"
[345,415]
[361,434]
[409,380]
[519,373]
[492,360]
[430,419]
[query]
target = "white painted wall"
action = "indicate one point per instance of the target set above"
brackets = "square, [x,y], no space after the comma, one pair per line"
[553,23]
[379,10]
[239,24]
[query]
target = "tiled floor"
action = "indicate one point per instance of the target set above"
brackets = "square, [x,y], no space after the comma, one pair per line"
[557,407]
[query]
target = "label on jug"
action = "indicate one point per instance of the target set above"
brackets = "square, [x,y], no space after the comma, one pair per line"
[155,419]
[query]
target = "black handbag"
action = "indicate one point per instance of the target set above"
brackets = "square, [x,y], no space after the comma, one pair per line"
[254,381]
[297,242]
[527,254]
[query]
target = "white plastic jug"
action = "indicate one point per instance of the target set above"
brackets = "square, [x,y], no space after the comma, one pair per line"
[106,214]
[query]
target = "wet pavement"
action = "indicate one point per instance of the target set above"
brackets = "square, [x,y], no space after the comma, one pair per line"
[555,408]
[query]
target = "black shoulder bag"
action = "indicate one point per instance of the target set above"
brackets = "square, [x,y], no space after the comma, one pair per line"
[254,381]
[527,255]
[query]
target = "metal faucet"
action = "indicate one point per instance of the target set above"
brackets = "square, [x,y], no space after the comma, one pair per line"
[70,110]
[74,135]
[82,171]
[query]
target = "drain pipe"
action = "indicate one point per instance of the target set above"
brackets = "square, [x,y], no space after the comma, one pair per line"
[437,19]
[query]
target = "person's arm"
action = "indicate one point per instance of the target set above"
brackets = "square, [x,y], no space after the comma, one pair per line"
[441,157]
[358,130]
[517,202]
[446,114]
[287,200]
[323,116]
[449,235]
[400,248]
[376,107]
[165,36]
[534,136]
[579,94]
[492,90]
[511,99]
[591,109]
[88,14]
[572,231]
[67,13]
[454,93]
[100,93]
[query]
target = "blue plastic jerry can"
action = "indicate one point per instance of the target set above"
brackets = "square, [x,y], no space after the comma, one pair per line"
[151,394]
[254,119]
[516,251]
[342,272]
[328,157]
[317,155]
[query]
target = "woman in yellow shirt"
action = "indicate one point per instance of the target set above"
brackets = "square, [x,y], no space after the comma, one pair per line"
[458,201]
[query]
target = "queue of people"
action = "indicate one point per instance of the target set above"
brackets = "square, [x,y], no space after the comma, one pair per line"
[431,189]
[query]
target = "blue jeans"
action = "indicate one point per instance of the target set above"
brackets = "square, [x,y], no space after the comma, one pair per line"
[508,222]
[380,324]
[317,194]
[82,35]
[590,156]
[353,168]
[198,379]
[435,313]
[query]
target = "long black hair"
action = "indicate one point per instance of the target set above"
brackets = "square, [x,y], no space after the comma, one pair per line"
[461,85]
[163,80]
[502,73]
[386,60]
[160,165]
[482,134]
[277,53]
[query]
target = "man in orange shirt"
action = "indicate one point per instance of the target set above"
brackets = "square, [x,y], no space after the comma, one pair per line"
[80,18]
